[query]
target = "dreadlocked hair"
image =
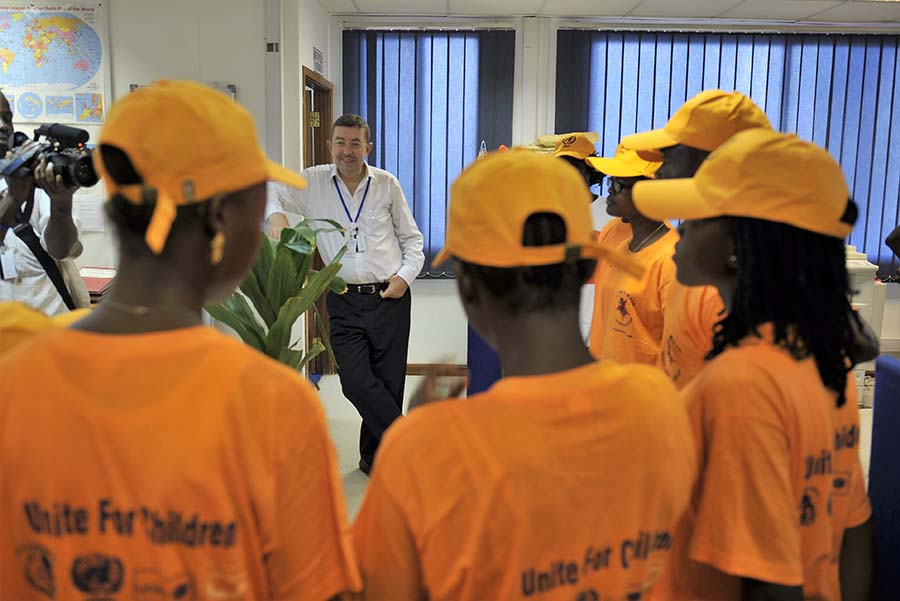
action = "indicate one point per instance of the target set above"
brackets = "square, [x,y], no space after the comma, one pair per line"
[542,288]
[806,298]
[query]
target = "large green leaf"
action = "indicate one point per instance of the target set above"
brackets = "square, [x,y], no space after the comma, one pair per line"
[282,277]
[320,328]
[238,305]
[254,292]
[314,351]
[263,263]
[338,285]
[220,313]
[291,310]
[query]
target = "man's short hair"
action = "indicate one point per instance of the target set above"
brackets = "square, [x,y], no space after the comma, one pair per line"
[352,120]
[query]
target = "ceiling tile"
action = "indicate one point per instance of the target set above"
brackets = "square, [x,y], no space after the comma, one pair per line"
[778,10]
[339,7]
[402,7]
[860,12]
[495,8]
[588,8]
[683,9]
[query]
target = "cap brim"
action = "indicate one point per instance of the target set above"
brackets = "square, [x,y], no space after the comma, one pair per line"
[649,142]
[278,173]
[612,167]
[671,199]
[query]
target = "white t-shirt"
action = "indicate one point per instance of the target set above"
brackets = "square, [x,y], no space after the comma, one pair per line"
[31,284]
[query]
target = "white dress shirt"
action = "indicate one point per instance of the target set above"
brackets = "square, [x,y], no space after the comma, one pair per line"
[31,284]
[389,241]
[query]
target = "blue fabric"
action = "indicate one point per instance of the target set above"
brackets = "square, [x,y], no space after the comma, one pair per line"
[484,364]
[840,91]
[884,479]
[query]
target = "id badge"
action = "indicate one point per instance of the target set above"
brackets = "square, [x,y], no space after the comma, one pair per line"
[8,263]
[355,241]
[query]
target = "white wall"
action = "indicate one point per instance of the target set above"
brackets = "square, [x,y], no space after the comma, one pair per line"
[202,40]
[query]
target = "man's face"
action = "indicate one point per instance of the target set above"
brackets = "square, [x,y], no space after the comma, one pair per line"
[349,149]
[6,122]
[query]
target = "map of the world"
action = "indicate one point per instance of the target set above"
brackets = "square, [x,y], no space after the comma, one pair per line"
[50,48]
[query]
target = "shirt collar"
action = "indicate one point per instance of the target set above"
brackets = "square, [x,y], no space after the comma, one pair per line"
[334,171]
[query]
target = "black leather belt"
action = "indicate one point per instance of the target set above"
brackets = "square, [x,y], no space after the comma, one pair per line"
[367,288]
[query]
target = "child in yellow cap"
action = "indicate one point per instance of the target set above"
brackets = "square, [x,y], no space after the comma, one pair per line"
[627,322]
[144,454]
[766,216]
[701,125]
[566,478]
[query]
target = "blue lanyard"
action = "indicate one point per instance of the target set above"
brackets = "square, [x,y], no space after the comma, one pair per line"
[344,204]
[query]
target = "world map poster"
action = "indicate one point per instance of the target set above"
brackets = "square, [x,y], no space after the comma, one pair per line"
[53,61]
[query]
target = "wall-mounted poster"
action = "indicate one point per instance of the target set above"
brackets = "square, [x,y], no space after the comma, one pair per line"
[54,61]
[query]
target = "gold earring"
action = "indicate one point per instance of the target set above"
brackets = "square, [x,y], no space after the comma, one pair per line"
[217,248]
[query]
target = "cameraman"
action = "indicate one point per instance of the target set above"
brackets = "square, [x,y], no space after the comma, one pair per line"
[24,278]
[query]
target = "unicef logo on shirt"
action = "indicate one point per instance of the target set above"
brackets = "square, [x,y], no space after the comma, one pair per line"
[98,574]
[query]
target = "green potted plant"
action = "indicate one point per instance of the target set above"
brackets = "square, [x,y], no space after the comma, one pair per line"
[280,287]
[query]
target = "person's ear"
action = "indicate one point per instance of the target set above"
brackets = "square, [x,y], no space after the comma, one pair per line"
[215,226]
[369,147]
[328,144]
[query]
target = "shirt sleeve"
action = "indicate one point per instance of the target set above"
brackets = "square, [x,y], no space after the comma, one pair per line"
[410,238]
[385,545]
[280,198]
[312,555]
[747,517]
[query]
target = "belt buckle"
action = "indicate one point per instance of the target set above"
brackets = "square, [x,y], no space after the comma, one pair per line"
[368,289]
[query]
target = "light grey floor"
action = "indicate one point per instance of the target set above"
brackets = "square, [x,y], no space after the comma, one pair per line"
[344,421]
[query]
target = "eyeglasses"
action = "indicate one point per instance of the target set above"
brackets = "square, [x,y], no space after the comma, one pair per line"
[616,186]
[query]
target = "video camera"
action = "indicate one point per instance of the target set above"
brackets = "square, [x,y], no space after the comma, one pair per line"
[65,148]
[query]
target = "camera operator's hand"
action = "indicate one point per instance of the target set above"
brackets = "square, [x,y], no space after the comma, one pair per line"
[59,193]
[21,185]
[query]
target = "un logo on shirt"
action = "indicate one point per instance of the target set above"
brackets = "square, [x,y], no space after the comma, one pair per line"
[588,595]
[98,574]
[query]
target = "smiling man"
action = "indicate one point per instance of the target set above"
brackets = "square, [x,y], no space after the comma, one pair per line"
[369,326]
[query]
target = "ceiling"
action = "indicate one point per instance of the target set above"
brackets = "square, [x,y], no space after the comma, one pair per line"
[793,11]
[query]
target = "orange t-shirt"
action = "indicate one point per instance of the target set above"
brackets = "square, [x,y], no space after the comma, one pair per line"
[690,314]
[560,486]
[774,453]
[627,325]
[177,465]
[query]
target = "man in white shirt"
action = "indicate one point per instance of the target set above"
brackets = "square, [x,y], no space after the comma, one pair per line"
[22,276]
[369,326]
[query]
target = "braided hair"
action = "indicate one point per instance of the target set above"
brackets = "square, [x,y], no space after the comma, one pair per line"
[797,281]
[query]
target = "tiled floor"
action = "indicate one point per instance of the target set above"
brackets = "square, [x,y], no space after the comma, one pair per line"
[344,421]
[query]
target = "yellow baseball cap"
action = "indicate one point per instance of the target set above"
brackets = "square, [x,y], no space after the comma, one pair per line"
[762,174]
[576,144]
[189,143]
[626,163]
[19,322]
[493,198]
[706,121]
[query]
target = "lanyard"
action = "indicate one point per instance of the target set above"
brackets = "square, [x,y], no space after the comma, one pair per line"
[344,204]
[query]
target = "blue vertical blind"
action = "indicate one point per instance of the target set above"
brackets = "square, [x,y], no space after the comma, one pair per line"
[419,93]
[840,91]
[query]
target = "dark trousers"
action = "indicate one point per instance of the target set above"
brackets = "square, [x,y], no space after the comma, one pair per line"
[370,337]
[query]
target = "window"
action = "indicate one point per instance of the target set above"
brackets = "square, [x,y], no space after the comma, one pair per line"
[423,95]
[840,91]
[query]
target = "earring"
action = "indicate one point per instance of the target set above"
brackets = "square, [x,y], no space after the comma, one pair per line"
[217,248]
[732,260]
